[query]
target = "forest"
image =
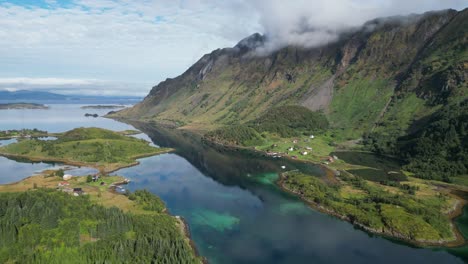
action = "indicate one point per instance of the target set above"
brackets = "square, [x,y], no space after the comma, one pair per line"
[438,150]
[284,121]
[46,226]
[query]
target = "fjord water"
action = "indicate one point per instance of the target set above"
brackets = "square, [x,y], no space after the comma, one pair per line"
[235,212]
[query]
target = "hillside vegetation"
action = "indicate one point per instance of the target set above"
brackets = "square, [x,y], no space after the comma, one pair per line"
[284,121]
[437,149]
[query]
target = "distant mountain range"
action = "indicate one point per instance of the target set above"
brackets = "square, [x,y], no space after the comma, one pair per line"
[47,97]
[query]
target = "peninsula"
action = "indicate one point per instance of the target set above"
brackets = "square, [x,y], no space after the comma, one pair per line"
[102,106]
[23,106]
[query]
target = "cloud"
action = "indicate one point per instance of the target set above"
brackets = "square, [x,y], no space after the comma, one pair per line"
[122,40]
[310,23]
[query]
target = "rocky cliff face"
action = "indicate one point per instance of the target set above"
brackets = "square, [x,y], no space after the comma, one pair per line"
[391,71]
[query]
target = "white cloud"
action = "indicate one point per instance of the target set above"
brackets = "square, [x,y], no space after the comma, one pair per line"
[123,40]
[313,23]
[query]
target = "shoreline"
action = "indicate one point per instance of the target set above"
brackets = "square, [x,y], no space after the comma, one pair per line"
[101,168]
[188,235]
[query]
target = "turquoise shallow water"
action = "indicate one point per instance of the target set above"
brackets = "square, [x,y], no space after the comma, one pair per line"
[235,212]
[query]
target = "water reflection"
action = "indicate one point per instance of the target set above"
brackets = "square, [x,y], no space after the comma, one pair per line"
[237,214]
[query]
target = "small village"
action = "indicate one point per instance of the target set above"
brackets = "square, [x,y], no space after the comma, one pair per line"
[72,184]
[299,148]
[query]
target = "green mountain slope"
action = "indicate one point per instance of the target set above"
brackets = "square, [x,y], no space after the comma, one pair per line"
[380,78]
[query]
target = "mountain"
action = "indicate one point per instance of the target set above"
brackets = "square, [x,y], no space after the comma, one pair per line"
[47,97]
[30,95]
[385,77]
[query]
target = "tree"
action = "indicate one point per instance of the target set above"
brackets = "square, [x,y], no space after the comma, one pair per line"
[60,173]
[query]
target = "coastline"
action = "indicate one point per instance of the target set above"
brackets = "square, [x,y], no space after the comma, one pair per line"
[186,230]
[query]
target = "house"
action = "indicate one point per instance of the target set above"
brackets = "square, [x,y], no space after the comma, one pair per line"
[330,159]
[294,157]
[67,177]
[304,153]
[120,189]
[291,149]
[312,137]
[295,141]
[62,184]
[309,148]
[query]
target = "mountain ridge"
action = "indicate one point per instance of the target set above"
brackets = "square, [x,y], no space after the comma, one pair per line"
[48,97]
[359,81]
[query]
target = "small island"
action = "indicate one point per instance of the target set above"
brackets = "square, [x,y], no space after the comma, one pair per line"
[91,115]
[23,133]
[102,106]
[87,221]
[23,106]
[98,148]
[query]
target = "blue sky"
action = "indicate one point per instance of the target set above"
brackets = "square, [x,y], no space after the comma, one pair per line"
[128,46]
